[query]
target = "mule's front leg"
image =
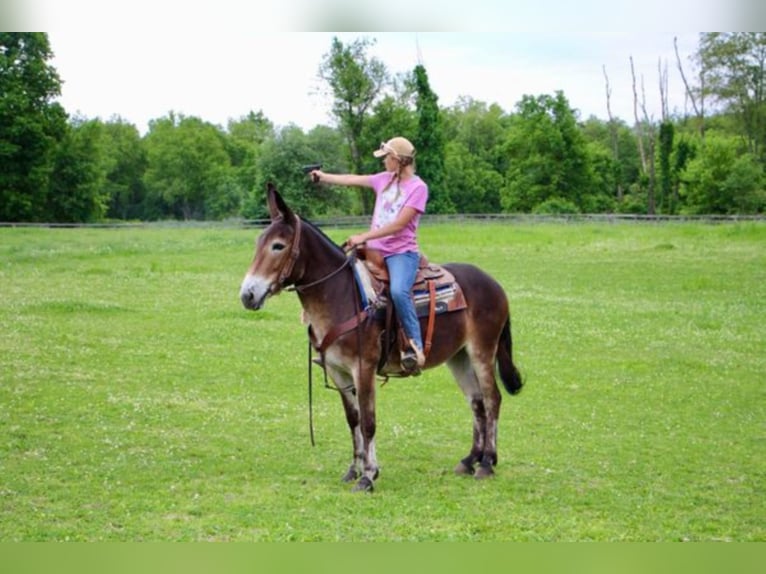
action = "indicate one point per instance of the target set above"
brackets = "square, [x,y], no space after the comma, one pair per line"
[351,408]
[366,400]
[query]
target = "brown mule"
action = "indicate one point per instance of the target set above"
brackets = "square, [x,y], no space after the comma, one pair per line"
[473,341]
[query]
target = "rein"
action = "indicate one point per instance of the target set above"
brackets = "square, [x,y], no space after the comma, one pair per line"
[295,252]
[330,275]
[335,331]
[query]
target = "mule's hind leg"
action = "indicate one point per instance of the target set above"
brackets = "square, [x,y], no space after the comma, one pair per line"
[476,378]
[462,370]
[490,406]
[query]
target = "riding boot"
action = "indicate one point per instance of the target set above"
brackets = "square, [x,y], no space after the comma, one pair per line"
[413,359]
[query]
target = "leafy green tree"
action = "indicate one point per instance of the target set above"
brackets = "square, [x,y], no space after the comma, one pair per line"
[723,179]
[481,130]
[225,198]
[685,150]
[548,155]
[429,142]
[622,169]
[245,138]
[356,82]
[555,206]
[473,183]
[125,163]
[391,116]
[31,125]
[280,161]
[252,129]
[78,179]
[601,196]
[187,167]
[664,152]
[734,72]
[326,145]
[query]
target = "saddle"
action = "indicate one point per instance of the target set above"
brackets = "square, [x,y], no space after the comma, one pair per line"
[434,291]
[376,265]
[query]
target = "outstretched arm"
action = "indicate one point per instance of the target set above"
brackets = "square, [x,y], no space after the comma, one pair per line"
[341,178]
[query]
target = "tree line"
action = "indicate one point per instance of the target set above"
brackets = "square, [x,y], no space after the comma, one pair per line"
[540,157]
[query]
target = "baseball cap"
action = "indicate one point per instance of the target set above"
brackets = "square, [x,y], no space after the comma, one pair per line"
[399,146]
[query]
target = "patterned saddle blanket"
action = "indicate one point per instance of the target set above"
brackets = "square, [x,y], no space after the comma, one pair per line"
[430,279]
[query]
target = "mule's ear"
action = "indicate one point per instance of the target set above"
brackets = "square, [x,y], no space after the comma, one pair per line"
[277,206]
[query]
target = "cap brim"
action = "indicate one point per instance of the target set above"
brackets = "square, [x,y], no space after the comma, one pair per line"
[380,153]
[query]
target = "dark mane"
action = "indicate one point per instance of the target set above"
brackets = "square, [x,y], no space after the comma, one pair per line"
[322,234]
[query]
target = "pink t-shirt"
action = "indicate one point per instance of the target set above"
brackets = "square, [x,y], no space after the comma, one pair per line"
[388,203]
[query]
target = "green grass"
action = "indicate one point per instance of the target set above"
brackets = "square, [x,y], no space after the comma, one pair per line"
[140,401]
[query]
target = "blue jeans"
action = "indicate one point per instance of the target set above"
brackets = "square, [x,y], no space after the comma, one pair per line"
[402,268]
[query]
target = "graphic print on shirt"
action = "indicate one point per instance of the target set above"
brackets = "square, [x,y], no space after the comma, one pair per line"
[390,204]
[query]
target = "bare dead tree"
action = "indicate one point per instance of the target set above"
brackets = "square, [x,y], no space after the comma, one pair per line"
[646,139]
[663,74]
[613,133]
[651,140]
[638,127]
[699,110]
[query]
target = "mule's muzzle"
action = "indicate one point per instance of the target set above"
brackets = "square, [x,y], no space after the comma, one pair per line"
[253,293]
[249,301]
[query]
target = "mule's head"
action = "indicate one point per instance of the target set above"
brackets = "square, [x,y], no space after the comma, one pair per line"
[276,252]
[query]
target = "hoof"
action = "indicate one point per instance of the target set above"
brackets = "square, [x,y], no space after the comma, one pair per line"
[484,472]
[364,485]
[463,469]
[351,475]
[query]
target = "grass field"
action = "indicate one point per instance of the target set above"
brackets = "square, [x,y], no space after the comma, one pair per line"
[140,401]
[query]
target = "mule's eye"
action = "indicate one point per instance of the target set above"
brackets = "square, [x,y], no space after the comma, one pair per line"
[277,246]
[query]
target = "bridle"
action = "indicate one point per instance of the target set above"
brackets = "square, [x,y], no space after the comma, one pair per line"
[295,251]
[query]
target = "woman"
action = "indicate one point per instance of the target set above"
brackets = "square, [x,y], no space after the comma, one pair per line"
[400,200]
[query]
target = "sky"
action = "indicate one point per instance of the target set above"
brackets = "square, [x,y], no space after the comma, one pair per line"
[142,59]
[222,76]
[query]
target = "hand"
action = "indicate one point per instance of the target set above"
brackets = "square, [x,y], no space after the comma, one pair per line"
[316,175]
[356,240]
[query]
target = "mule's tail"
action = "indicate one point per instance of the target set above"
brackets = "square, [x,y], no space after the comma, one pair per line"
[509,374]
